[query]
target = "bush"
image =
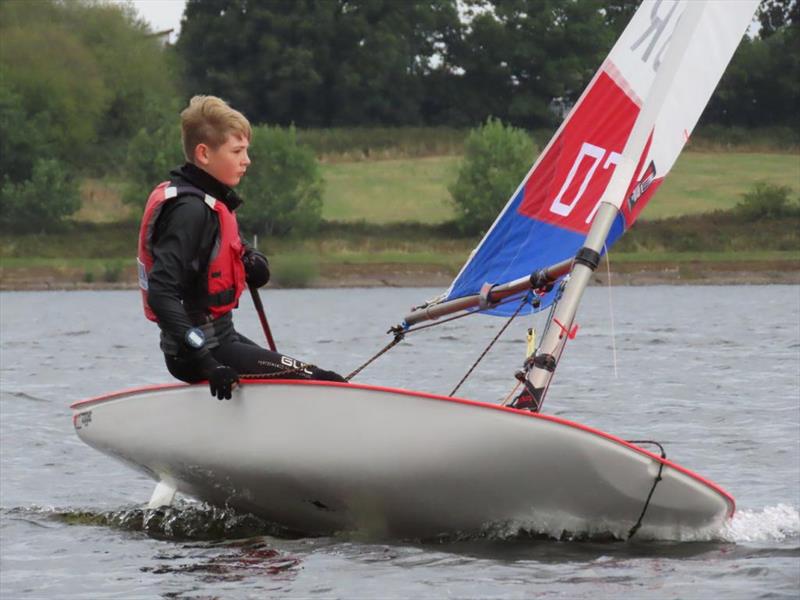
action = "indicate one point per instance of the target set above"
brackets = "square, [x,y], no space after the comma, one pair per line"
[41,202]
[496,158]
[152,154]
[22,138]
[767,201]
[112,272]
[283,187]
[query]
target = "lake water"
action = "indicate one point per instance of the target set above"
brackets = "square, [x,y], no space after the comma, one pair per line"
[711,372]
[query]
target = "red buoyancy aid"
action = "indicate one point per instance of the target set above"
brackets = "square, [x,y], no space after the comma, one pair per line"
[225,279]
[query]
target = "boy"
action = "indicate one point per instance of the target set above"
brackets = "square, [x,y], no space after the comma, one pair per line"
[193,265]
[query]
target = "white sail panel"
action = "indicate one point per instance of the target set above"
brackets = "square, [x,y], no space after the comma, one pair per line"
[719,32]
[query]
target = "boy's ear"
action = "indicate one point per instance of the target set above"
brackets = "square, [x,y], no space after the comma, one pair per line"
[201,152]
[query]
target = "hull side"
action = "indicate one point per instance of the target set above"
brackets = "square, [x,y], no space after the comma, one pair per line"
[320,457]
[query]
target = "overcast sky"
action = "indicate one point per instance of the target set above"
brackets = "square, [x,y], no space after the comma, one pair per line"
[161,14]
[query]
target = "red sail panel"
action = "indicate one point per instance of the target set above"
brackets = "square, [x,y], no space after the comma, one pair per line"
[571,177]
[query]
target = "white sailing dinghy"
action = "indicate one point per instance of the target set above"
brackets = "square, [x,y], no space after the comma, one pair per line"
[319,457]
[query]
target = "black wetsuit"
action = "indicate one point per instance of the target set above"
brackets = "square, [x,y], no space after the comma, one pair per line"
[183,239]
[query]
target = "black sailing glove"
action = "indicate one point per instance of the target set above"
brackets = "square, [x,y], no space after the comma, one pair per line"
[256,268]
[222,379]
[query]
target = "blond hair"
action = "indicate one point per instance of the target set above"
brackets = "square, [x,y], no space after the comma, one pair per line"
[209,120]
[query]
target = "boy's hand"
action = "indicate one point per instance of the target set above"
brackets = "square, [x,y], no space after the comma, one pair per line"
[221,382]
[256,268]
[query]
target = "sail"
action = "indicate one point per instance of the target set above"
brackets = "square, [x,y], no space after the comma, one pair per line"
[548,216]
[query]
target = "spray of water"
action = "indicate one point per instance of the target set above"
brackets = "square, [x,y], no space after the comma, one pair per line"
[773,523]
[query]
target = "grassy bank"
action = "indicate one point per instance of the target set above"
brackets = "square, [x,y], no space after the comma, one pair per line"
[702,182]
[390,191]
[416,189]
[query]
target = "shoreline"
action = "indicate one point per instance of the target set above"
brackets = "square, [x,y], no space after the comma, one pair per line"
[424,275]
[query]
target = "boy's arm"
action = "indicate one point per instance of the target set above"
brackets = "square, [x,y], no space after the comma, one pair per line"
[180,232]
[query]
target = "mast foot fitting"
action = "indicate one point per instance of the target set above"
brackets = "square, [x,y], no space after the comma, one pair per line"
[529,398]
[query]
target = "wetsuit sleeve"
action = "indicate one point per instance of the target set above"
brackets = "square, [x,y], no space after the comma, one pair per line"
[177,255]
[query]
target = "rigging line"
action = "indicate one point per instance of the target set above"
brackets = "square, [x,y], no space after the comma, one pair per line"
[398,337]
[611,313]
[508,398]
[399,334]
[638,524]
[489,347]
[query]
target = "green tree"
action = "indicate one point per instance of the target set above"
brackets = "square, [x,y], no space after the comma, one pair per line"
[89,75]
[283,186]
[142,77]
[776,15]
[518,55]
[38,65]
[77,80]
[496,158]
[316,62]
[618,13]
[761,86]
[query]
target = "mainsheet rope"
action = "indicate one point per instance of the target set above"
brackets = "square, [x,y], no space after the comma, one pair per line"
[400,333]
[489,347]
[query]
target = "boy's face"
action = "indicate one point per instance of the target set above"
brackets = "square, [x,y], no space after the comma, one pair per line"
[227,163]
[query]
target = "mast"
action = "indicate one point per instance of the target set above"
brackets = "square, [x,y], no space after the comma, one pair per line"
[545,362]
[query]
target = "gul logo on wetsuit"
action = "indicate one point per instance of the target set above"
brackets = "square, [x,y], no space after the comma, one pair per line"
[295,364]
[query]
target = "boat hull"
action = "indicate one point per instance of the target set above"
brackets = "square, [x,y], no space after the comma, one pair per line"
[320,457]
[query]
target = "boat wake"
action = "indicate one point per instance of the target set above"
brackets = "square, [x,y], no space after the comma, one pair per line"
[773,523]
[190,521]
[184,521]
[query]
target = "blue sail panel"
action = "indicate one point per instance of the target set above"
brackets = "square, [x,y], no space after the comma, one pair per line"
[506,255]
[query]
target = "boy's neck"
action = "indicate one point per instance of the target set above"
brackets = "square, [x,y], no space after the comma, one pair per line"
[209,184]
